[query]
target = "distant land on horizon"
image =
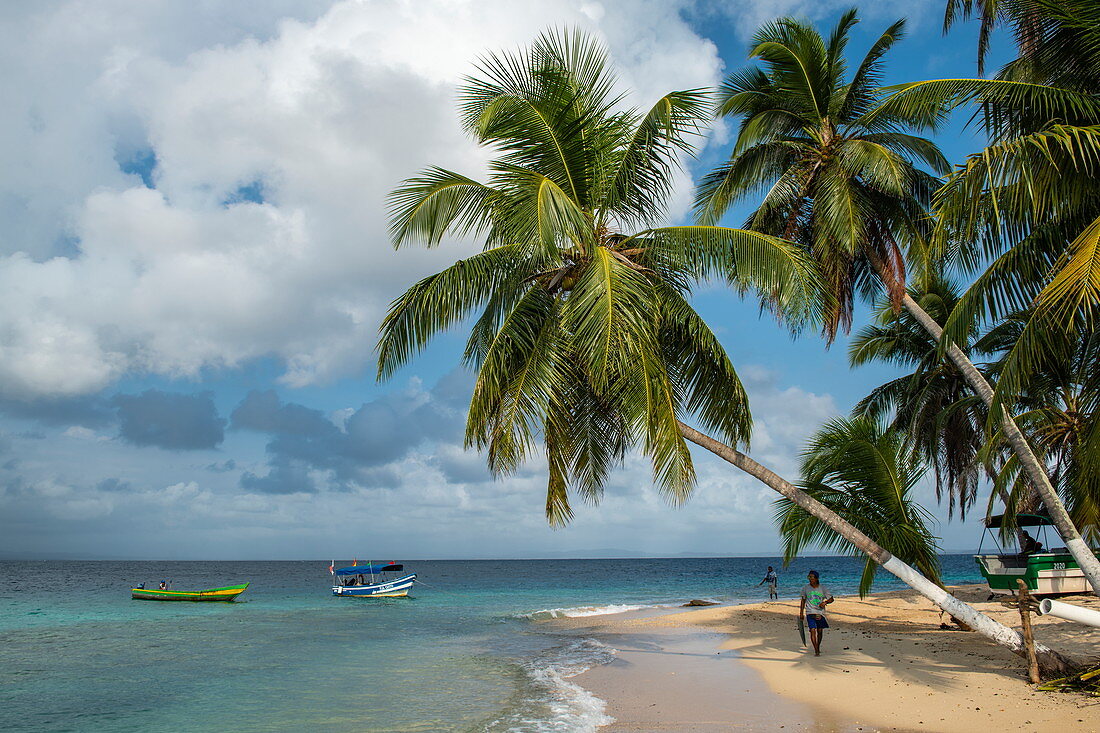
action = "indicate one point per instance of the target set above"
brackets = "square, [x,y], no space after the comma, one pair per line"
[610,554]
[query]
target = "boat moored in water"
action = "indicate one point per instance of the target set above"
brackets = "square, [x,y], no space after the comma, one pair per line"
[228,593]
[1045,572]
[373,580]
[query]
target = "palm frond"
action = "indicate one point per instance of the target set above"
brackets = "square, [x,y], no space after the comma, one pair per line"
[425,208]
[1073,293]
[863,472]
[439,301]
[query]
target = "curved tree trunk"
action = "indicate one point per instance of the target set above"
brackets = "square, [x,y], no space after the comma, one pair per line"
[1051,661]
[1032,466]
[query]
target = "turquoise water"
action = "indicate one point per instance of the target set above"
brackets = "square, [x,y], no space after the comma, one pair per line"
[76,654]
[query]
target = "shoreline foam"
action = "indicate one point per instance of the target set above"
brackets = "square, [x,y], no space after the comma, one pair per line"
[586,611]
[550,701]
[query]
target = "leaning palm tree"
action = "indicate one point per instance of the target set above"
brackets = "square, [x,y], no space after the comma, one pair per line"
[1059,407]
[865,472]
[842,177]
[1030,203]
[585,337]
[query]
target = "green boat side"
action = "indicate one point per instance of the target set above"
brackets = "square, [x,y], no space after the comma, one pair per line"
[1043,573]
[226,593]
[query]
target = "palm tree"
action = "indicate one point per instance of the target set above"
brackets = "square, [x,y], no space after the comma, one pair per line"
[1019,202]
[932,405]
[1048,36]
[945,424]
[1059,406]
[992,13]
[866,473]
[585,337]
[841,177]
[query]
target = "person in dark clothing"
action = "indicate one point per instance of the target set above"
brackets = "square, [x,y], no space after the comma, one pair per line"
[773,583]
[1029,545]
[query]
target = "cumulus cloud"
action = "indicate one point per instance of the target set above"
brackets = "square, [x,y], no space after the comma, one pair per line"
[170,420]
[188,186]
[114,485]
[784,417]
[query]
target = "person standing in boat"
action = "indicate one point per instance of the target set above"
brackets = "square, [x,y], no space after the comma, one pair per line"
[812,606]
[164,585]
[773,583]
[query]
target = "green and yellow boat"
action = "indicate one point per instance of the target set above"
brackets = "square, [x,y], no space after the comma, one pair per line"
[227,593]
[1044,572]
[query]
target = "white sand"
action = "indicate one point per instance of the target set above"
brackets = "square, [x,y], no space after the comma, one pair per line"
[885,665]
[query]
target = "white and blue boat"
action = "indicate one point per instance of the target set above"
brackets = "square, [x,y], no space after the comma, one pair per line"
[371,580]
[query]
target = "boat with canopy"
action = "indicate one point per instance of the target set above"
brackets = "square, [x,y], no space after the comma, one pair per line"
[228,593]
[373,580]
[1046,572]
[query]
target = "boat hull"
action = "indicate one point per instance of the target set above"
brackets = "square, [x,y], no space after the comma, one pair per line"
[210,594]
[1045,573]
[390,589]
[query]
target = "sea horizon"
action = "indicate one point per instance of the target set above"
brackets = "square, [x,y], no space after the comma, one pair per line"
[465,653]
[582,555]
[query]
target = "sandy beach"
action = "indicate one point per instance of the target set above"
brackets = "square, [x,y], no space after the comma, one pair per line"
[885,665]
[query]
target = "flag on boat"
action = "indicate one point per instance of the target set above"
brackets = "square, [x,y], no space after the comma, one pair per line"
[332,567]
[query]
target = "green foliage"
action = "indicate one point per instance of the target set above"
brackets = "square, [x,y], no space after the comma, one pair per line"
[1027,207]
[1058,407]
[582,335]
[840,174]
[947,427]
[1084,683]
[931,404]
[864,472]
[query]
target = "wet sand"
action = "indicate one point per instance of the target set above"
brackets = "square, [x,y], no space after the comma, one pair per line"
[885,665]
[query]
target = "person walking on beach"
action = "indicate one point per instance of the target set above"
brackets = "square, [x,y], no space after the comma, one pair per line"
[812,607]
[773,583]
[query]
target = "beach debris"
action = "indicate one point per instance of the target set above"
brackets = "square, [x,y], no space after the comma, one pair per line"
[697,602]
[1087,682]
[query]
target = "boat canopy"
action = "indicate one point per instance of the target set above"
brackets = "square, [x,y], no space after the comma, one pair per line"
[368,569]
[1022,520]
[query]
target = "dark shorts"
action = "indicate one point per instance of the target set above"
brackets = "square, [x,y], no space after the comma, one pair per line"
[815,621]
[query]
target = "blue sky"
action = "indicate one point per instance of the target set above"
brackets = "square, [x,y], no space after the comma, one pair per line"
[195,262]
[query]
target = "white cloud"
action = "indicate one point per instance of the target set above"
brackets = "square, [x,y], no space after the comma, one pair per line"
[324,112]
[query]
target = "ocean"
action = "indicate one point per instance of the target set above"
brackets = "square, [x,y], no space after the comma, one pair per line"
[464,653]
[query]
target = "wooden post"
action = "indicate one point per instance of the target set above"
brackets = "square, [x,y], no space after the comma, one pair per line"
[1029,639]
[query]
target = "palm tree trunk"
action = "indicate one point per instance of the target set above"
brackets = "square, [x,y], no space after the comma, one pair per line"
[1049,660]
[1031,465]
